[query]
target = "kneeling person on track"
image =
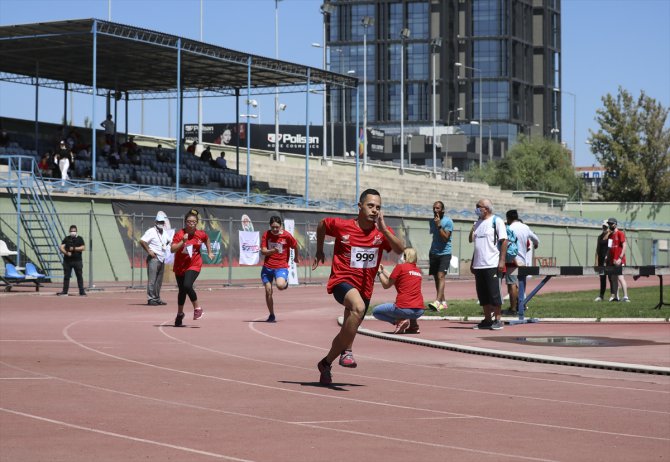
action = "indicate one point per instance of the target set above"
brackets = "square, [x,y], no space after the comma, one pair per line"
[408,306]
[275,247]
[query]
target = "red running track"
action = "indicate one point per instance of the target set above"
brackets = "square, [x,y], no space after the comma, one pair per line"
[107,378]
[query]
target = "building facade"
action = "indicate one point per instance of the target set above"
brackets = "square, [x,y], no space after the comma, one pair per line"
[490,68]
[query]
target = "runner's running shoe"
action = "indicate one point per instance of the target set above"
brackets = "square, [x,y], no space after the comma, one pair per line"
[326,377]
[401,326]
[178,320]
[347,359]
[197,313]
[271,318]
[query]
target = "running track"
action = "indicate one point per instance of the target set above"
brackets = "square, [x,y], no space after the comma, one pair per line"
[107,378]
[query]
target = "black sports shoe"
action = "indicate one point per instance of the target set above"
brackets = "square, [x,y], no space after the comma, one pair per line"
[326,377]
[271,318]
[62,294]
[153,303]
[485,324]
[178,320]
[161,302]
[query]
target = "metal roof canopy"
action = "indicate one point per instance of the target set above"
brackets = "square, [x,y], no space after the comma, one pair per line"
[142,63]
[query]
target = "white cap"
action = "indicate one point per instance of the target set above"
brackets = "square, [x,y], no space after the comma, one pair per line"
[604,223]
[160,216]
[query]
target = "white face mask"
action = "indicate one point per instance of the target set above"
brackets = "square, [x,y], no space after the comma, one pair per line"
[478,212]
[73,234]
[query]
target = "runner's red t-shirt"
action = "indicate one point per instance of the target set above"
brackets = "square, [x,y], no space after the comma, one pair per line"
[617,238]
[283,242]
[182,260]
[357,254]
[407,280]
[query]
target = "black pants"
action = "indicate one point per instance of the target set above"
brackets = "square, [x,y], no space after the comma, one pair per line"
[185,284]
[77,266]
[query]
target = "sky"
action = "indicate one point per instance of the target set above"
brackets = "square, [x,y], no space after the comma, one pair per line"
[606,44]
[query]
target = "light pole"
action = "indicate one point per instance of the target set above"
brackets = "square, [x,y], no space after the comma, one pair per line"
[488,127]
[277,88]
[404,34]
[480,106]
[555,132]
[446,147]
[366,21]
[574,124]
[436,44]
[280,107]
[326,9]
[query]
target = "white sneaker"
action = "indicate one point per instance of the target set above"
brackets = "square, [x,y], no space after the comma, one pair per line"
[613,298]
[626,299]
[598,299]
[444,306]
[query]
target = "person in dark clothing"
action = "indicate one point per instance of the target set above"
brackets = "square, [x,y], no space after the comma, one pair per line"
[601,259]
[72,248]
[206,155]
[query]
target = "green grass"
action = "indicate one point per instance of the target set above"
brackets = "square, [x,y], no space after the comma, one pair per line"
[575,305]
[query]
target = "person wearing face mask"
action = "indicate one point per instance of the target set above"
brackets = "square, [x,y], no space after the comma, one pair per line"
[357,252]
[489,236]
[408,306]
[601,258]
[156,241]
[616,257]
[186,245]
[71,247]
[276,245]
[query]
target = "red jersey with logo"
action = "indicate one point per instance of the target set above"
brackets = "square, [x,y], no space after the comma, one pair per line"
[357,254]
[283,242]
[615,243]
[188,257]
[407,280]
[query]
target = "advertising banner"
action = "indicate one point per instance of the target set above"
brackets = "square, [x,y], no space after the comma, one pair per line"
[289,225]
[250,247]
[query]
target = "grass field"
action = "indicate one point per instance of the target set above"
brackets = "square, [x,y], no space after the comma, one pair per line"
[575,305]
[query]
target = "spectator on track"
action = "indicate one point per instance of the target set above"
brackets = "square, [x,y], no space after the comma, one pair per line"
[439,256]
[616,258]
[72,247]
[602,250]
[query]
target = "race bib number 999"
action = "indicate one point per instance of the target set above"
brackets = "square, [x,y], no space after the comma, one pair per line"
[363,257]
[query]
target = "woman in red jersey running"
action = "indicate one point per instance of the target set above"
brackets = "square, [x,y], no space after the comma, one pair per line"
[276,246]
[186,245]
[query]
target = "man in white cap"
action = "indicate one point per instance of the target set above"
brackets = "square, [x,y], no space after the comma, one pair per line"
[156,241]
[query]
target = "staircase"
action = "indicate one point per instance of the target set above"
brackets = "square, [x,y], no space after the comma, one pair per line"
[40,223]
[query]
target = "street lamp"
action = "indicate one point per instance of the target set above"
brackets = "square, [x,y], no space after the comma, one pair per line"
[436,44]
[446,147]
[474,69]
[277,88]
[254,103]
[555,132]
[366,21]
[326,9]
[574,123]
[404,34]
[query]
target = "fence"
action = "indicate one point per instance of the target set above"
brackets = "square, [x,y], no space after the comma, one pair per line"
[113,253]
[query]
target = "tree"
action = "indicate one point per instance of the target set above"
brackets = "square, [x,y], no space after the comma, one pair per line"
[632,145]
[533,164]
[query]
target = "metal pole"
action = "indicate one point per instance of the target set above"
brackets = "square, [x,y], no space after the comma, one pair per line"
[199,92]
[325,95]
[481,125]
[37,102]
[344,124]
[402,105]
[90,249]
[307,141]
[365,101]
[358,143]
[248,128]
[230,251]
[93,94]
[434,117]
[178,116]
[132,259]
[276,88]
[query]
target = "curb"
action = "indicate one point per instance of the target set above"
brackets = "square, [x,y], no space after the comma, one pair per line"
[529,357]
[507,319]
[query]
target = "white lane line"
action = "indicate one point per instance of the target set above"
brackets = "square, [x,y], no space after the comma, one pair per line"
[22,340]
[125,437]
[497,455]
[399,419]
[24,378]
[342,398]
[495,374]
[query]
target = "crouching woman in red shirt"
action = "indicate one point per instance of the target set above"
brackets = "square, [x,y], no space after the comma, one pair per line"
[186,245]
[408,306]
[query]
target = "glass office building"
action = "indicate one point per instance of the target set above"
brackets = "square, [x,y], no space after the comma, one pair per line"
[492,61]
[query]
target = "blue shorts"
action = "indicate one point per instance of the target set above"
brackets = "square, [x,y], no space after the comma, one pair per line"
[269,274]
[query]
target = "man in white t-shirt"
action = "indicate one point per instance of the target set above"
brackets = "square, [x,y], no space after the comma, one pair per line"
[156,241]
[516,286]
[488,262]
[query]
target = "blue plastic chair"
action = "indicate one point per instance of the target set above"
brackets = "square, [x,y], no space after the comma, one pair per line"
[12,273]
[31,271]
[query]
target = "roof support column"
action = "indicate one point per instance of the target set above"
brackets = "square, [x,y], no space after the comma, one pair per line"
[178,117]
[237,130]
[248,128]
[94,93]
[307,146]
[37,103]
[358,143]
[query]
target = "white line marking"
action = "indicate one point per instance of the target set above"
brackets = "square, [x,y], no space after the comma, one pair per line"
[125,437]
[354,400]
[24,378]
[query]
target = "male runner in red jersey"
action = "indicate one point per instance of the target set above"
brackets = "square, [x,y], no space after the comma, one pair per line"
[359,243]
